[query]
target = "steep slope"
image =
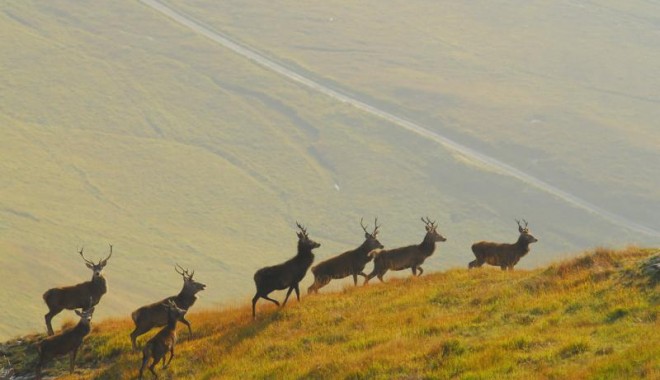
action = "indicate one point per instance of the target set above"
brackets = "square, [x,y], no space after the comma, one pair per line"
[120,126]
[593,316]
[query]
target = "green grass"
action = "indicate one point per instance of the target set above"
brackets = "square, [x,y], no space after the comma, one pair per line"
[119,126]
[591,317]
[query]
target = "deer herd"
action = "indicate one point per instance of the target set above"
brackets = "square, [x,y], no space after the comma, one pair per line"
[167,312]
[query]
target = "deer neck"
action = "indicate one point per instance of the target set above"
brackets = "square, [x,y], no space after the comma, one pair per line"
[185,298]
[81,329]
[428,245]
[364,248]
[523,245]
[99,284]
[171,322]
[304,252]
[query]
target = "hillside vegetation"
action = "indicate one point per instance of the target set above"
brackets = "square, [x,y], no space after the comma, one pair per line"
[595,316]
[118,125]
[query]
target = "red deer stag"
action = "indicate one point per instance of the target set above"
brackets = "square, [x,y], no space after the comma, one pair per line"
[155,314]
[67,341]
[502,254]
[164,341]
[287,274]
[348,263]
[412,256]
[77,296]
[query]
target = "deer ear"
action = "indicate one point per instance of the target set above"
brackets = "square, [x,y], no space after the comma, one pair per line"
[299,235]
[78,313]
[90,266]
[366,235]
[520,229]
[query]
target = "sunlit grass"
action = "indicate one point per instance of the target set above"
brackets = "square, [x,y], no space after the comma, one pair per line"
[593,316]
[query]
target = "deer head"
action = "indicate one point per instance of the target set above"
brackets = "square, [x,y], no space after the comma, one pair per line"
[524,232]
[96,268]
[304,240]
[86,314]
[431,230]
[371,239]
[189,284]
[173,311]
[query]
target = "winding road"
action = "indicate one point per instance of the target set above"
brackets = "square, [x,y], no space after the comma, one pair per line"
[453,146]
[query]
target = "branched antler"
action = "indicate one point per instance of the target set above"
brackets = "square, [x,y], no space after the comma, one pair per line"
[105,261]
[429,223]
[521,229]
[363,226]
[84,258]
[302,229]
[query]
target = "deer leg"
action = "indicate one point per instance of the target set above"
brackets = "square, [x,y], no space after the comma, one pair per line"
[414,270]
[139,330]
[185,322]
[145,359]
[355,279]
[312,288]
[73,359]
[288,293]
[271,300]
[370,276]
[171,356]
[157,357]
[380,277]
[151,367]
[297,290]
[254,303]
[503,267]
[49,316]
[420,271]
[39,365]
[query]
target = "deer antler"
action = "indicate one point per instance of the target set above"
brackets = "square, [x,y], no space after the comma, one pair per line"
[363,226]
[183,272]
[303,229]
[428,222]
[375,227]
[105,261]
[520,227]
[83,256]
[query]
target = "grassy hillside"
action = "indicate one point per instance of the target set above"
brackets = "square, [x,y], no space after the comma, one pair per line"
[558,89]
[119,126]
[595,316]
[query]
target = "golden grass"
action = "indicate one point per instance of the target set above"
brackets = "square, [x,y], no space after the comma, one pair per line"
[595,316]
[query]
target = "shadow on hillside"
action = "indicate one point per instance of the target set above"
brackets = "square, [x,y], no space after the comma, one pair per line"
[247,330]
